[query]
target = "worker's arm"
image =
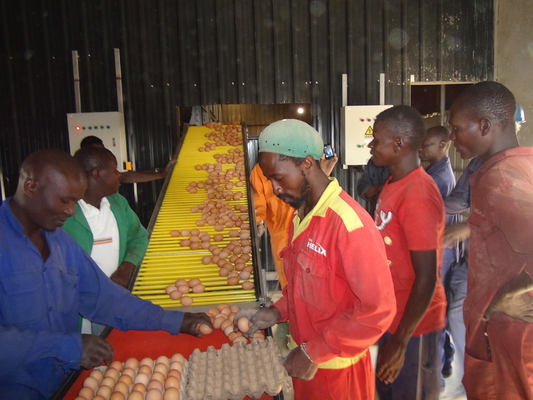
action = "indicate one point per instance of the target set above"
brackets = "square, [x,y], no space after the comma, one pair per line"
[514,299]
[455,233]
[146,176]
[258,182]
[392,354]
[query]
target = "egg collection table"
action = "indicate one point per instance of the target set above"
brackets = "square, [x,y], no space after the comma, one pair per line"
[141,344]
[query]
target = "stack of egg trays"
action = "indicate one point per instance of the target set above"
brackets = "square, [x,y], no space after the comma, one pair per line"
[234,372]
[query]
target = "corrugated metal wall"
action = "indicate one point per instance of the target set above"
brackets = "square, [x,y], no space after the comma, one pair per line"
[192,52]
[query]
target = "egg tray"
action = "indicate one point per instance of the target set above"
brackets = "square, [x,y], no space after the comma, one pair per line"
[183,379]
[234,372]
[165,261]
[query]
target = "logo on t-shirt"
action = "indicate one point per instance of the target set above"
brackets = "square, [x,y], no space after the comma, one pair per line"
[316,247]
[385,217]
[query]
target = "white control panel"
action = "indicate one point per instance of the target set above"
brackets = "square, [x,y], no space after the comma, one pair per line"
[108,126]
[357,123]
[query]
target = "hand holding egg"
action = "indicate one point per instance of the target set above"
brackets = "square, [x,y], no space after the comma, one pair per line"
[192,320]
[259,318]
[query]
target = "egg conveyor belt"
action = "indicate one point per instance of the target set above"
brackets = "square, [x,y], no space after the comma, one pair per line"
[166,260]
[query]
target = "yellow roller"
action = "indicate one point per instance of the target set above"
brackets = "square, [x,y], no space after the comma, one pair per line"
[166,260]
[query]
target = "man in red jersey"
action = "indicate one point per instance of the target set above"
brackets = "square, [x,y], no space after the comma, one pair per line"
[339,296]
[410,216]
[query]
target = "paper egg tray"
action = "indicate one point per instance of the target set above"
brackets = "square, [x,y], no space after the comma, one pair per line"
[234,372]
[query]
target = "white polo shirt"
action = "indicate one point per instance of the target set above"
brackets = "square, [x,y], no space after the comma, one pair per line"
[106,242]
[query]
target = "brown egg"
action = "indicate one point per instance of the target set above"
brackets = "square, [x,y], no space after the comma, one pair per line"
[205,329]
[247,285]
[218,322]
[144,369]
[213,311]
[177,366]
[97,374]
[139,387]
[248,268]
[154,394]
[98,397]
[206,260]
[162,360]
[91,383]
[180,282]
[183,289]
[242,324]
[147,361]
[128,371]
[117,396]
[132,363]
[222,306]
[86,393]
[218,237]
[121,387]
[142,378]
[228,329]
[193,282]
[104,391]
[185,232]
[198,289]
[128,380]
[154,384]
[172,382]
[234,280]
[244,275]
[175,233]
[171,394]
[117,365]
[170,289]
[240,339]
[136,396]
[186,301]
[112,373]
[110,382]
[225,323]
[175,373]
[185,242]
[177,358]
[176,295]
[233,335]
[161,368]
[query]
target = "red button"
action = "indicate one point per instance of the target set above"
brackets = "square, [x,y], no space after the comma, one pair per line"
[307,270]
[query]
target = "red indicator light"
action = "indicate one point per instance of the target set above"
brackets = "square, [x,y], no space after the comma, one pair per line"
[78,128]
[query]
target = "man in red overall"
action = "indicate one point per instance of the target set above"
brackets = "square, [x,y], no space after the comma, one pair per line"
[339,295]
[498,308]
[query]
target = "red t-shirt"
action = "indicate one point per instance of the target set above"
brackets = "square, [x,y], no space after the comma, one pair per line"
[410,216]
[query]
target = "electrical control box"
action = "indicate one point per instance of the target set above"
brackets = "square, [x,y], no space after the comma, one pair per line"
[357,123]
[108,126]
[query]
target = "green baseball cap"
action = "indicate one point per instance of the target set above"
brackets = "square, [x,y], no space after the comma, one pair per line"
[293,138]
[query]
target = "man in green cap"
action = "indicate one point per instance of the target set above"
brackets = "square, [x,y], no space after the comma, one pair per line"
[339,295]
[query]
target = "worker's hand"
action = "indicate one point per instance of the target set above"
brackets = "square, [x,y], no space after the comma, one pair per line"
[260,318]
[455,233]
[164,171]
[327,165]
[514,299]
[123,274]
[373,190]
[299,366]
[192,320]
[260,229]
[390,361]
[94,351]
